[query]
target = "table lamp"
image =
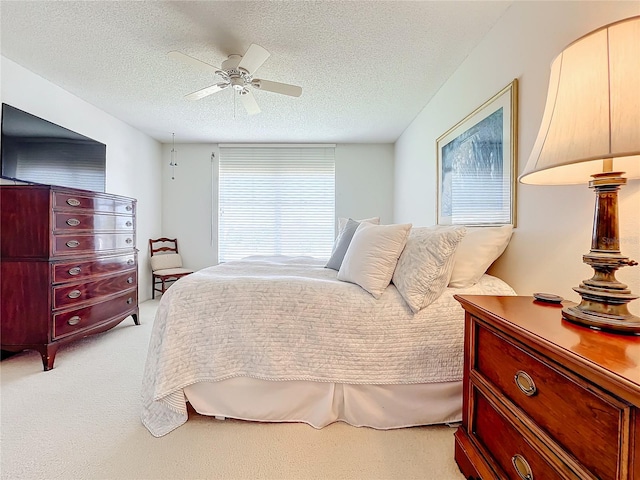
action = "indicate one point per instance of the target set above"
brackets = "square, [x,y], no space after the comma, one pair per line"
[590,132]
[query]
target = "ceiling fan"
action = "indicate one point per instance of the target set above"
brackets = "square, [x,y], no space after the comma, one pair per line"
[237,72]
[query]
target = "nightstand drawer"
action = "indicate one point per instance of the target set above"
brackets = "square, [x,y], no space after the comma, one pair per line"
[556,402]
[508,448]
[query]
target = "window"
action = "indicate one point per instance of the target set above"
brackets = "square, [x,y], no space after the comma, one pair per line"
[276,200]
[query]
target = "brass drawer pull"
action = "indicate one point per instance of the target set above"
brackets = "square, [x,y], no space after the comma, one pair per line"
[525,383]
[129,301]
[130,280]
[74,271]
[72,243]
[74,320]
[130,261]
[522,467]
[129,208]
[74,294]
[73,222]
[129,240]
[74,202]
[129,223]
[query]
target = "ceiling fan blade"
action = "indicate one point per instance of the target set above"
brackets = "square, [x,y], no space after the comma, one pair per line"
[277,87]
[249,102]
[253,58]
[194,62]
[205,92]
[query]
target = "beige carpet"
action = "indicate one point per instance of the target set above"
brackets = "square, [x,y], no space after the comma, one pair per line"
[81,421]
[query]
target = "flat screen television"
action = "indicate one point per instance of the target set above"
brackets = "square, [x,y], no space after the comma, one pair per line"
[35,150]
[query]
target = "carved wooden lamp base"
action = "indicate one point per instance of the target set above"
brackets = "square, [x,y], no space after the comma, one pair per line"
[602,312]
[605,299]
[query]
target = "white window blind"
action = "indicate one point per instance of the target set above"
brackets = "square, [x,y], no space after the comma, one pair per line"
[276,200]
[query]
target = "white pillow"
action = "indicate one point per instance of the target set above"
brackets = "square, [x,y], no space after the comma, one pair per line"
[164,261]
[479,248]
[425,266]
[372,256]
[342,222]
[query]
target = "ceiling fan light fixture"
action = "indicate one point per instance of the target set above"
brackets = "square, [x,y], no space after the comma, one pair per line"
[237,72]
[237,82]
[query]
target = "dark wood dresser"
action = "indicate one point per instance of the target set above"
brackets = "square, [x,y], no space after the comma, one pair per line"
[543,398]
[68,266]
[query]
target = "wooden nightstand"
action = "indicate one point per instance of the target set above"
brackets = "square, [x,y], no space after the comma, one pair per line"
[544,398]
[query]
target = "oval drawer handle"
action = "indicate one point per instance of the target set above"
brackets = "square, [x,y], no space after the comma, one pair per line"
[129,240]
[522,467]
[129,208]
[130,280]
[74,202]
[74,271]
[129,301]
[129,223]
[74,320]
[73,222]
[74,294]
[525,383]
[130,261]
[72,243]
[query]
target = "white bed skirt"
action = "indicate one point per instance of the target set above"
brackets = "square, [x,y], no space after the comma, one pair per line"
[319,404]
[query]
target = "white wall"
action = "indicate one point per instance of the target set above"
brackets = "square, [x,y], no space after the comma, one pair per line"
[132,157]
[554,223]
[364,181]
[188,201]
[364,188]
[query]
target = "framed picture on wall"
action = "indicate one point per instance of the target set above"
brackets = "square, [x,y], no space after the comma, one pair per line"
[477,164]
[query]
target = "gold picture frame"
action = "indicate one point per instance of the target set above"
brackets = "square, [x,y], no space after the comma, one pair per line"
[477,164]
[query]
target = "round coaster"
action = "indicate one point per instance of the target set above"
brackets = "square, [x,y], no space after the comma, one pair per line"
[547,297]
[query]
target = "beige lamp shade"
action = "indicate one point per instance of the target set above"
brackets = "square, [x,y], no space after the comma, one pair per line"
[592,111]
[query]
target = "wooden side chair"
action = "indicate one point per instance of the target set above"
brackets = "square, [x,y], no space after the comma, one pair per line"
[166,264]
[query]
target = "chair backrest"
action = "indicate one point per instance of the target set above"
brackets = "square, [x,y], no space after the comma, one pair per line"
[163,245]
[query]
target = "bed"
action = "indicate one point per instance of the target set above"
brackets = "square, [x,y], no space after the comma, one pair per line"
[285,339]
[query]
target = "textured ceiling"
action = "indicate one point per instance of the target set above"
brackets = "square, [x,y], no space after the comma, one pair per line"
[367,68]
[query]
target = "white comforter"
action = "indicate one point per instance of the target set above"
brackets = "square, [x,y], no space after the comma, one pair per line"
[286,318]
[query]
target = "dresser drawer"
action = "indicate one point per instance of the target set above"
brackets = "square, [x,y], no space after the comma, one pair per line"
[583,420]
[95,202]
[97,222]
[73,321]
[507,446]
[77,270]
[100,242]
[67,295]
